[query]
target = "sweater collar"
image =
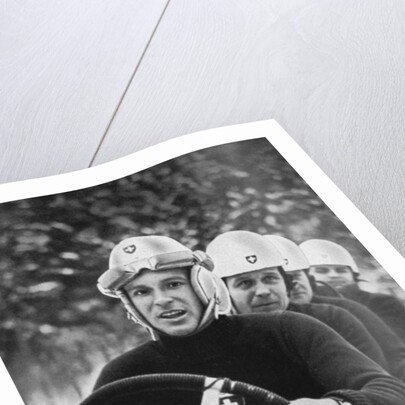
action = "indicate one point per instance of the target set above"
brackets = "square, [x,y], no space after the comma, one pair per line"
[216,339]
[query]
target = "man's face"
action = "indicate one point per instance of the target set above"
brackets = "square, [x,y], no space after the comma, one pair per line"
[167,301]
[301,292]
[258,291]
[336,276]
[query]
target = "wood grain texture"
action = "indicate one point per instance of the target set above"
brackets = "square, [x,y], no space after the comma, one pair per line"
[64,66]
[329,71]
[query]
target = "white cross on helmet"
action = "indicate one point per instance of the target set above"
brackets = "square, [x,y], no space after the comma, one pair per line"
[157,253]
[238,252]
[325,252]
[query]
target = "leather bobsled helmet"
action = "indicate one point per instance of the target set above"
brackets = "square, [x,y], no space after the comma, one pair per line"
[238,252]
[293,257]
[324,252]
[158,253]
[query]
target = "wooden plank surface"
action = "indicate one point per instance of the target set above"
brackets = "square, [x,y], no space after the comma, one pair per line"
[64,65]
[329,71]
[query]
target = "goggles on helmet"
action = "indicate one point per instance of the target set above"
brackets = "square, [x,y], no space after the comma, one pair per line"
[117,277]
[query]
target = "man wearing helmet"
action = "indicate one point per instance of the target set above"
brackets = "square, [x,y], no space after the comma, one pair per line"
[147,271]
[332,264]
[262,285]
[182,309]
[302,292]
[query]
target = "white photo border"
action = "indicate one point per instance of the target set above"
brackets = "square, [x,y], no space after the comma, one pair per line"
[378,246]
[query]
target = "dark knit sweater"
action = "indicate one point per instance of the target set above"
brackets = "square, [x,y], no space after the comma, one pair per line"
[391,345]
[387,307]
[347,325]
[290,354]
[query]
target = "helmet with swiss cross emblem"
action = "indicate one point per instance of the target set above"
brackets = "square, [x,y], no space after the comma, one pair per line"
[238,252]
[132,256]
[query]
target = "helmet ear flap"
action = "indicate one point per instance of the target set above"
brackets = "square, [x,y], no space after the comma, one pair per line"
[203,284]
[223,296]
[203,259]
[201,277]
[209,286]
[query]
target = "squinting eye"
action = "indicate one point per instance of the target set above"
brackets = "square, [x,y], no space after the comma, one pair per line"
[175,284]
[244,284]
[322,270]
[271,280]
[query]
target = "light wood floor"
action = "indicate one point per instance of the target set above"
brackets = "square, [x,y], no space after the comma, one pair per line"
[85,82]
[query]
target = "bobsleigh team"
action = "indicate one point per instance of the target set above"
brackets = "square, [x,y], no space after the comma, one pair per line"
[262,310]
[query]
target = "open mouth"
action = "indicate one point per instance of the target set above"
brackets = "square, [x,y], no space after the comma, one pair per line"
[172,314]
[265,305]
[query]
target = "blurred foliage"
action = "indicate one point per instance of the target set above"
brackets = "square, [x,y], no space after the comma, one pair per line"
[56,330]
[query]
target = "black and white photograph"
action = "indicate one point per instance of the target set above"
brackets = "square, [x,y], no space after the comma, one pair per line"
[216,277]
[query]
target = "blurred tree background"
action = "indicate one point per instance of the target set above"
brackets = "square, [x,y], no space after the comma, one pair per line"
[57,330]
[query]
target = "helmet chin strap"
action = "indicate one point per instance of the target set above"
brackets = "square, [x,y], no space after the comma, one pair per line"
[134,315]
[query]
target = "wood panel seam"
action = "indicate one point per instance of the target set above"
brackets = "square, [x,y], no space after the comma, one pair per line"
[129,84]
